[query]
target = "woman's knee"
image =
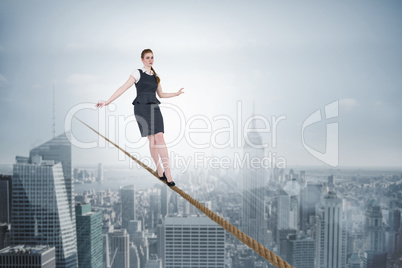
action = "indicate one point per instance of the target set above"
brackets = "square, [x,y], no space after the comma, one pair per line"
[151,139]
[159,138]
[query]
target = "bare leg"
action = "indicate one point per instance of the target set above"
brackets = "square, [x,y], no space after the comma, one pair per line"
[163,152]
[154,154]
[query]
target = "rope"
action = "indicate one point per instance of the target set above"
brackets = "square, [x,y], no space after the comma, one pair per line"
[252,243]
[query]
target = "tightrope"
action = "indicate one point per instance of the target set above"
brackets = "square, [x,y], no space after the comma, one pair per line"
[250,242]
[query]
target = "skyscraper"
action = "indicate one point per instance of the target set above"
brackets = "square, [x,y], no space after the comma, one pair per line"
[89,236]
[301,251]
[193,242]
[128,204]
[310,196]
[59,150]
[374,259]
[254,181]
[283,210]
[40,209]
[120,254]
[100,172]
[373,228]
[330,233]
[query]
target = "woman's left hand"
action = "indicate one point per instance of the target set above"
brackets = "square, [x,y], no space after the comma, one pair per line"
[180,91]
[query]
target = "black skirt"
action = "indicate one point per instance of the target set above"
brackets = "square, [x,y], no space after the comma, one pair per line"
[149,118]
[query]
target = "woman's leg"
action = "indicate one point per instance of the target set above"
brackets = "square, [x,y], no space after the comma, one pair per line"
[163,152]
[154,154]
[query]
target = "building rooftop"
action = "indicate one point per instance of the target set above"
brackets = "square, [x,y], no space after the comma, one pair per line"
[25,249]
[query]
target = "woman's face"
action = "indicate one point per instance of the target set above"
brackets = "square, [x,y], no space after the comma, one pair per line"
[148,59]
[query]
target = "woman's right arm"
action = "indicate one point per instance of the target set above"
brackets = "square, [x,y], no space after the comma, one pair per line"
[119,91]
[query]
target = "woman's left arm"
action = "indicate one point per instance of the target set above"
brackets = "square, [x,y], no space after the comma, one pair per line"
[161,94]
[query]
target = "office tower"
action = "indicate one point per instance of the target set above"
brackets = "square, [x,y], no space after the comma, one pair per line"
[34,256]
[282,242]
[160,242]
[4,231]
[291,174]
[155,208]
[283,211]
[310,196]
[302,179]
[301,251]
[153,262]
[373,228]
[254,180]
[164,201]
[128,204]
[59,150]
[120,254]
[5,199]
[354,261]
[89,236]
[373,259]
[278,175]
[394,220]
[193,242]
[135,261]
[331,233]
[331,181]
[100,172]
[106,252]
[40,209]
[292,188]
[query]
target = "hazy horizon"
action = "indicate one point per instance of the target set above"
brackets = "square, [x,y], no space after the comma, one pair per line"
[276,59]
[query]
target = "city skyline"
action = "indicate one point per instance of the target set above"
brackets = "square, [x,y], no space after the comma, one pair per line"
[276,59]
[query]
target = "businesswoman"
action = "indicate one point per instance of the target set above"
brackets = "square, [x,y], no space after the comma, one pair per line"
[147,111]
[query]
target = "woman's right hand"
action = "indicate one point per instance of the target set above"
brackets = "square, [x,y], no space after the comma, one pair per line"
[101,104]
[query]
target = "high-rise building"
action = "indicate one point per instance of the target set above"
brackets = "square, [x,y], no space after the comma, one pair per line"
[282,242]
[394,220]
[283,211]
[59,150]
[40,209]
[35,256]
[309,197]
[193,242]
[89,236]
[106,251]
[354,261]
[155,208]
[374,259]
[128,204]
[292,188]
[164,201]
[331,181]
[100,172]
[5,199]
[301,251]
[254,181]
[373,228]
[120,251]
[330,233]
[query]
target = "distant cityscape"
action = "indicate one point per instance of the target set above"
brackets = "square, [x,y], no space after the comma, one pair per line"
[54,214]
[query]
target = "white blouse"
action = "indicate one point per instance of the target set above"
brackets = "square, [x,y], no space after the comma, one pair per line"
[136,74]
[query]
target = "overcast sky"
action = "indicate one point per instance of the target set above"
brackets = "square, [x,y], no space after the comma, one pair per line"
[269,57]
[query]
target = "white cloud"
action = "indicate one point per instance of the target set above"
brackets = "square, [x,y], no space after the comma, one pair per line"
[347,104]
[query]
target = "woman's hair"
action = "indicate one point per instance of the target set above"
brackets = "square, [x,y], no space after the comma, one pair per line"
[142,57]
